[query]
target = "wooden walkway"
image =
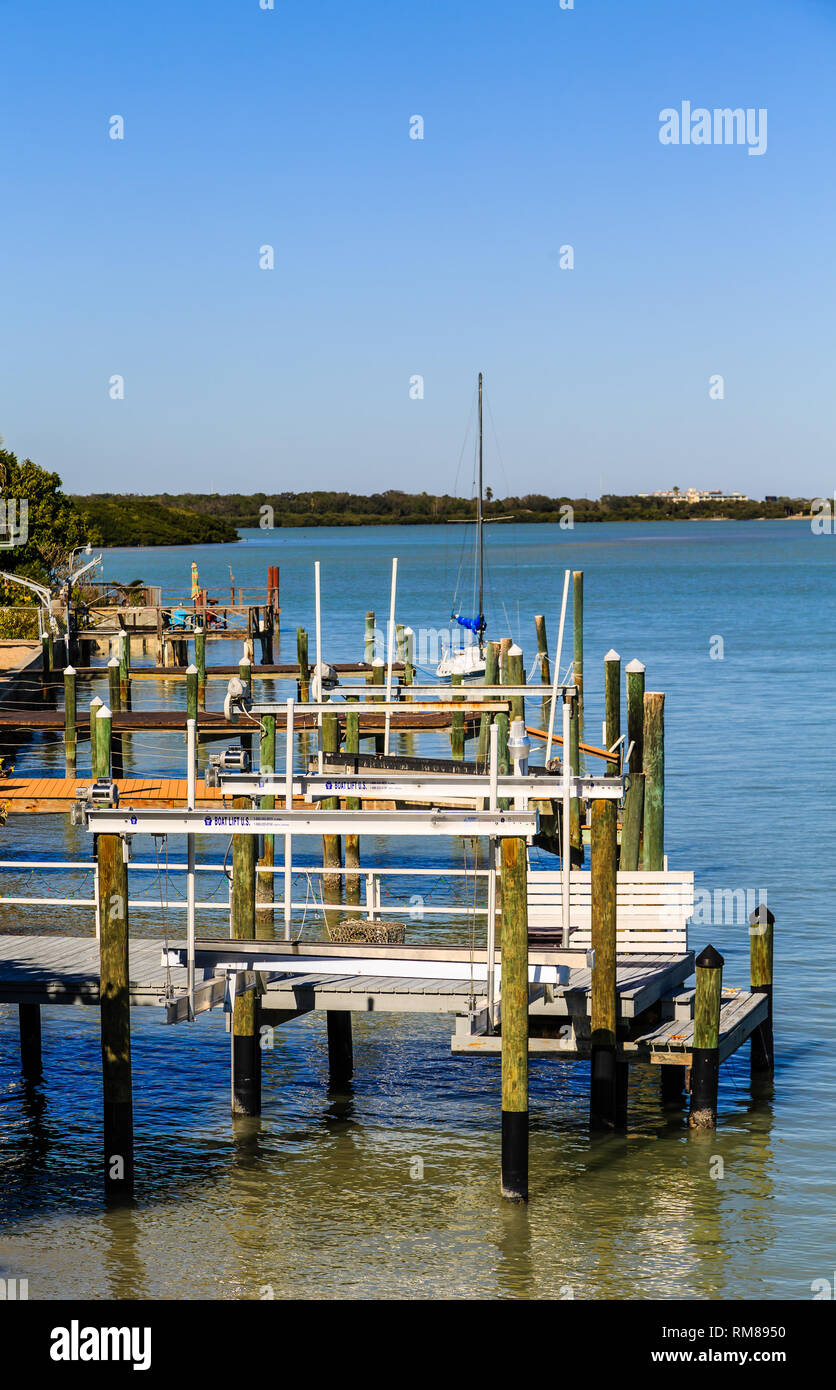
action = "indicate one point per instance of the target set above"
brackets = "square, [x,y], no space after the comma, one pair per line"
[42,795]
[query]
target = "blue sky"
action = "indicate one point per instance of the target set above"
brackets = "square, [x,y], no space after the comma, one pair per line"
[396,257]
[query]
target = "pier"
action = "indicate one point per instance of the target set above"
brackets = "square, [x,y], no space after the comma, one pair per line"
[585,961]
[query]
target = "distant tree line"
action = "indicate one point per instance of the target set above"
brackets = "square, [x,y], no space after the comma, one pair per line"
[154,520]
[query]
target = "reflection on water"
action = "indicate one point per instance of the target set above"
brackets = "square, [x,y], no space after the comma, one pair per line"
[390,1186]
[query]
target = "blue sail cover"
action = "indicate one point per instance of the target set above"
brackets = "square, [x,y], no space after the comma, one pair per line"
[476,625]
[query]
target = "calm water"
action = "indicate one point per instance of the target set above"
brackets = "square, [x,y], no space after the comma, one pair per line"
[320,1198]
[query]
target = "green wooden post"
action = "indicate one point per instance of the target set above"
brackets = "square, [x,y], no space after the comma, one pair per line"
[378,676]
[331,847]
[544,665]
[352,803]
[103,743]
[612,698]
[514,958]
[264,893]
[46,665]
[577,636]
[200,663]
[491,678]
[409,654]
[634,796]
[705,1062]
[70,737]
[761,924]
[653,842]
[604,1080]
[95,706]
[192,679]
[368,651]
[115,696]
[124,669]
[516,676]
[304,684]
[575,828]
[457,725]
[115,1013]
[246,1051]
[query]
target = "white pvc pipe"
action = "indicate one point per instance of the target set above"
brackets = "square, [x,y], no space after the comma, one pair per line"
[391,652]
[557,670]
[490,986]
[191,743]
[566,820]
[318,604]
[288,801]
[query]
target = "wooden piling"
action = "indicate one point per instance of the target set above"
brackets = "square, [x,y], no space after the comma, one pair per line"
[124,669]
[200,663]
[70,721]
[352,803]
[544,665]
[264,883]
[705,1062]
[409,653]
[115,1010]
[456,724]
[577,636]
[603,1085]
[331,846]
[575,827]
[303,687]
[29,1019]
[653,734]
[340,1049]
[192,679]
[612,697]
[377,678]
[368,648]
[514,957]
[761,923]
[95,706]
[634,796]
[115,697]
[245,1049]
[491,678]
[104,722]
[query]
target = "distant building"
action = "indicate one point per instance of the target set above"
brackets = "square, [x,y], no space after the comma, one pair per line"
[694,494]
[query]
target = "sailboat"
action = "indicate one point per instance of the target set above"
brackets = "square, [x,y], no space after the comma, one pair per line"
[469,662]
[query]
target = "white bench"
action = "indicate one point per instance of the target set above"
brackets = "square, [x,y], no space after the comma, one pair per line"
[652,909]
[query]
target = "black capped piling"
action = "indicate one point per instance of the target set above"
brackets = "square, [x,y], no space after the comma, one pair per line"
[544,666]
[200,663]
[705,1059]
[115,697]
[331,844]
[761,924]
[303,686]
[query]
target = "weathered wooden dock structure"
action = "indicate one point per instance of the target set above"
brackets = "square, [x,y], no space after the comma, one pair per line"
[572,963]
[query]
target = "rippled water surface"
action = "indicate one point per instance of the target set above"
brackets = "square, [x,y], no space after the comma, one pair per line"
[391,1189]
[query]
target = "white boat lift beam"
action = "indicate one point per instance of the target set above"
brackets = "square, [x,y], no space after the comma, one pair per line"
[461,824]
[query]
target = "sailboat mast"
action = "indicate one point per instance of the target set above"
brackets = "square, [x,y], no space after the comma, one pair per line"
[479,526]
